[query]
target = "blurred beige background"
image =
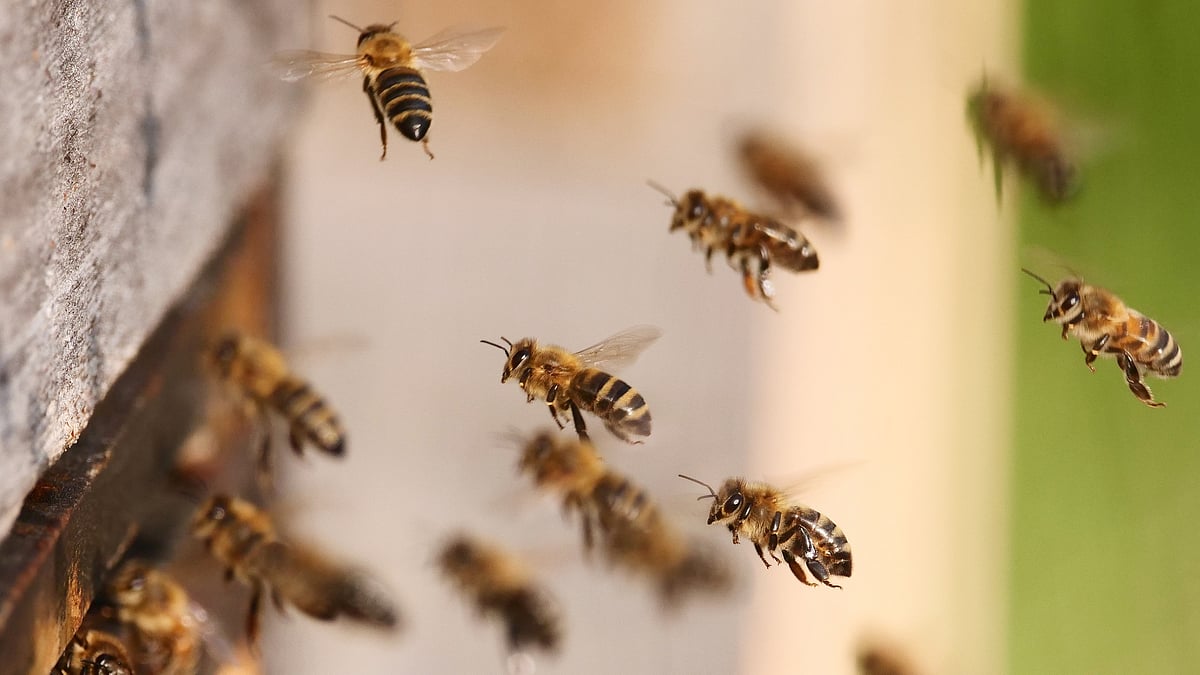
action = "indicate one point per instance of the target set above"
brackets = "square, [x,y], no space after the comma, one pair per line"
[535,220]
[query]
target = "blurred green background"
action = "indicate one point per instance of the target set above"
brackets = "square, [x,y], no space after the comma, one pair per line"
[1105,550]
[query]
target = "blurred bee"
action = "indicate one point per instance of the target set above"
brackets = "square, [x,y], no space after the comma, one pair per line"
[166,627]
[1106,327]
[633,534]
[877,659]
[391,69]
[787,175]
[500,586]
[260,374]
[1023,131]
[243,539]
[569,382]
[94,652]
[752,242]
[770,522]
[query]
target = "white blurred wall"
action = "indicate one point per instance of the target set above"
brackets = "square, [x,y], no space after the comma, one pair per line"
[882,374]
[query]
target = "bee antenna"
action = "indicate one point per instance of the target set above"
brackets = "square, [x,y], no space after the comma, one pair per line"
[341,20]
[1049,289]
[674,201]
[712,493]
[486,342]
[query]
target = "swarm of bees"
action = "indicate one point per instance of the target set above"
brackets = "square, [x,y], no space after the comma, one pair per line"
[146,622]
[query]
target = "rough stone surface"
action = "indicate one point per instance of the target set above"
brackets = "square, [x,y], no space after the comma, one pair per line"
[130,133]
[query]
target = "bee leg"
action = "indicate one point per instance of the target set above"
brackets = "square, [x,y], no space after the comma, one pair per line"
[759,550]
[277,600]
[253,615]
[296,440]
[1093,352]
[580,425]
[773,539]
[228,574]
[425,147]
[378,116]
[734,531]
[708,251]
[263,466]
[796,568]
[997,174]
[1134,378]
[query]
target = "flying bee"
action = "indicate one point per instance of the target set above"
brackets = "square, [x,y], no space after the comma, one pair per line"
[1106,327]
[166,627]
[500,586]
[261,375]
[633,533]
[788,176]
[752,242]
[391,69]
[766,517]
[94,652]
[1023,131]
[572,381]
[243,539]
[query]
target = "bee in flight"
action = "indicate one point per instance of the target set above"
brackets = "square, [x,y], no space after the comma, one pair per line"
[391,69]
[573,381]
[770,521]
[633,533]
[752,242]
[499,585]
[1106,327]
[260,374]
[243,539]
[791,178]
[1021,130]
[94,652]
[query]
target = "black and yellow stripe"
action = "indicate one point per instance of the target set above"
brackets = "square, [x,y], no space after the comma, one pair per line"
[622,408]
[827,537]
[309,416]
[404,99]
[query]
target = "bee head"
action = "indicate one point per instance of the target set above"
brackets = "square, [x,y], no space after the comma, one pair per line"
[1065,301]
[129,587]
[107,664]
[518,357]
[539,455]
[225,351]
[210,515]
[720,501]
[458,556]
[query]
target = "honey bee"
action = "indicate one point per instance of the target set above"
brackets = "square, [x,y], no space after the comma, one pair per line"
[166,627]
[243,539]
[752,242]
[391,69]
[1106,327]
[94,652]
[1022,131]
[787,175]
[633,533]
[500,586]
[878,659]
[769,521]
[260,373]
[569,382]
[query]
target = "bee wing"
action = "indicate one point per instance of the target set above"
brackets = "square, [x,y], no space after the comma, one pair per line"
[216,642]
[298,65]
[455,48]
[620,349]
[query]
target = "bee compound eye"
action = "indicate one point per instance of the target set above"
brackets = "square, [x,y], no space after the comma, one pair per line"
[520,358]
[733,503]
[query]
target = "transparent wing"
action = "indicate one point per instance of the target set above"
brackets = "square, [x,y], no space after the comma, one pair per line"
[298,65]
[455,48]
[621,349]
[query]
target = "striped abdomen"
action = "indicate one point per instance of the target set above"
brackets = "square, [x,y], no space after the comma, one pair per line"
[623,410]
[1151,346]
[404,99]
[826,536]
[786,247]
[309,416]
